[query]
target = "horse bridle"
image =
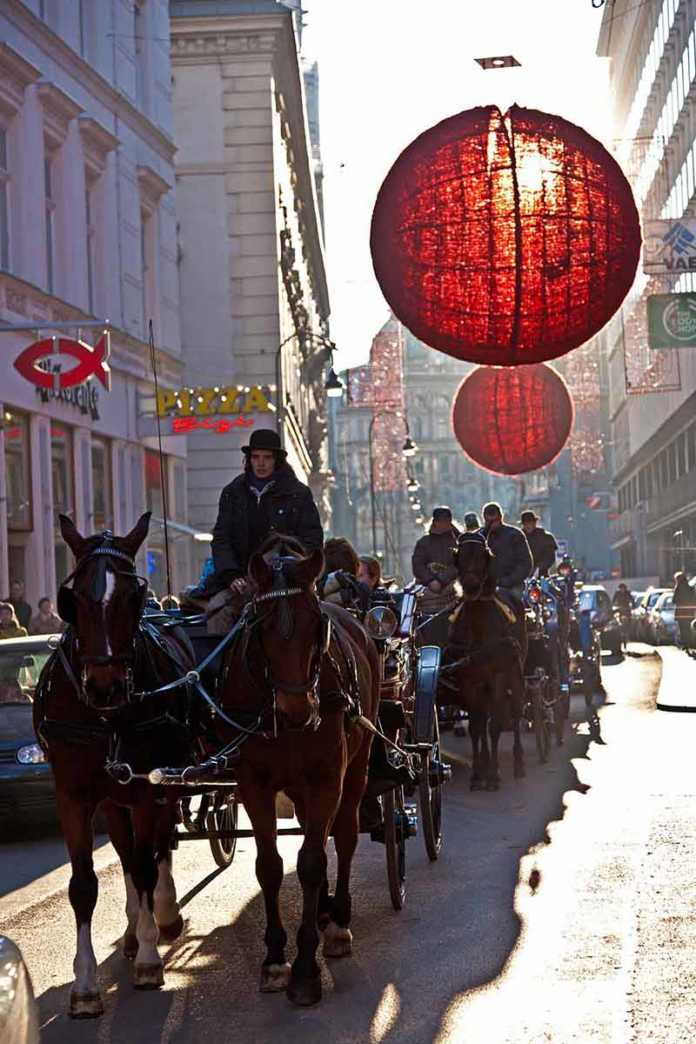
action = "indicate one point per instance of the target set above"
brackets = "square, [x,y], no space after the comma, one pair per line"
[67,612]
[286,627]
[480,540]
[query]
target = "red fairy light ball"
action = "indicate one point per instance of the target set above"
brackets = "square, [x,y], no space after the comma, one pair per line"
[511,421]
[505,239]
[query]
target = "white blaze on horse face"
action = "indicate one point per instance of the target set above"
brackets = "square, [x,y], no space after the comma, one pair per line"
[108,594]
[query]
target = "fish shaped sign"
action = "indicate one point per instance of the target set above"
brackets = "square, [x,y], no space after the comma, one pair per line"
[91,362]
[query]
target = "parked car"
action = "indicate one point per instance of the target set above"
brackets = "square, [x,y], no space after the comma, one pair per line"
[640,613]
[594,597]
[662,628]
[19,1019]
[26,781]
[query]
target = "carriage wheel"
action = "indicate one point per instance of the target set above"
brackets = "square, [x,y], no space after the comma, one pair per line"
[223,817]
[395,844]
[191,817]
[430,794]
[541,726]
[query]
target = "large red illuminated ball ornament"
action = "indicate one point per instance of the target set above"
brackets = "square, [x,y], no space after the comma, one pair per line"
[511,421]
[505,239]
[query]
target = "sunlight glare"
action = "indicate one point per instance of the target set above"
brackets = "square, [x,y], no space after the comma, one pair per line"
[386,1014]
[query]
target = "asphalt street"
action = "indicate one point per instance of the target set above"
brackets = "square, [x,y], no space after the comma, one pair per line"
[561,909]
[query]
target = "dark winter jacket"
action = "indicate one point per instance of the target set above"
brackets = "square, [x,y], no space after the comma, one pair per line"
[684,601]
[513,559]
[543,546]
[433,557]
[246,518]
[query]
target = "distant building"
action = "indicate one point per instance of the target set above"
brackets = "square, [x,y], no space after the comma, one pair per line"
[652,395]
[254,296]
[87,232]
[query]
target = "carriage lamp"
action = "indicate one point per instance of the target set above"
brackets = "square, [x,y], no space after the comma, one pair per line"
[334,385]
[409,447]
[31,755]
[381,621]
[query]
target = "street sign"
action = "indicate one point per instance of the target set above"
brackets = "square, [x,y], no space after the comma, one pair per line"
[672,321]
[669,246]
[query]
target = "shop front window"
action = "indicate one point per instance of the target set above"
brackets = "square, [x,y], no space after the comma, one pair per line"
[102,503]
[17,470]
[63,493]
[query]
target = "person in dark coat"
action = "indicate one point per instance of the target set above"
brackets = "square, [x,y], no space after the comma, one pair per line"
[433,562]
[23,610]
[542,544]
[684,608]
[513,559]
[266,498]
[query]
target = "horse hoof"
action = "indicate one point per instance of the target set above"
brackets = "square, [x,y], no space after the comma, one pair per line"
[338,942]
[86,1006]
[304,992]
[130,946]
[275,978]
[169,932]
[148,976]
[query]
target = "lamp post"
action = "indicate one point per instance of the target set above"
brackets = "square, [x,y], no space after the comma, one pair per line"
[408,449]
[333,385]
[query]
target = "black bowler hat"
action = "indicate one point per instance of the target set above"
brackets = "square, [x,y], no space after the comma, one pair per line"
[265,439]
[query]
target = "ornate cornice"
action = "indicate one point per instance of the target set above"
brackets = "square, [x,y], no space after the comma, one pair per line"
[59,108]
[152,185]
[200,46]
[16,73]
[97,143]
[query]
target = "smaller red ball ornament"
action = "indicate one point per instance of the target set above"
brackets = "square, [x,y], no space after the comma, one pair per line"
[511,421]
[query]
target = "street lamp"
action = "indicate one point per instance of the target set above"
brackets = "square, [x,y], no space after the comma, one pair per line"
[412,485]
[333,385]
[409,447]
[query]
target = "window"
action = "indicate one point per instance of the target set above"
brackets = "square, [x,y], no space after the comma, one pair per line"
[102,504]
[4,202]
[156,571]
[90,247]
[153,484]
[681,455]
[139,33]
[17,471]
[63,492]
[50,208]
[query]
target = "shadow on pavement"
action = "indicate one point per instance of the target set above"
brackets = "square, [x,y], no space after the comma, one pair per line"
[407,968]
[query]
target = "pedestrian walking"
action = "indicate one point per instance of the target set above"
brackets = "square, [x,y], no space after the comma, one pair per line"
[16,599]
[684,608]
[46,620]
[472,523]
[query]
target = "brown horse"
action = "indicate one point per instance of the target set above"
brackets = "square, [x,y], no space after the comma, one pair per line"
[304,668]
[88,712]
[490,650]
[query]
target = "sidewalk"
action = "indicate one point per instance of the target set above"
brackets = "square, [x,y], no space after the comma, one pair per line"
[678,685]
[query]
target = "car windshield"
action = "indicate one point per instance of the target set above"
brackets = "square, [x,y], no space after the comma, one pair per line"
[19,673]
[653,598]
[588,599]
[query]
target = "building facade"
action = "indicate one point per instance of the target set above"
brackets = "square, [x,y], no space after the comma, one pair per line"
[87,234]
[444,475]
[652,394]
[254,296]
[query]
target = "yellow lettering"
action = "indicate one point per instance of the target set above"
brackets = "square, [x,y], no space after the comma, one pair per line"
[256,401]
[204,397]
[228,400]
[184,397]
[166,401]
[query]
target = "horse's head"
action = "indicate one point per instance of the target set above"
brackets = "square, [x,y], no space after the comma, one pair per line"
[474,559]
[104,606]
[293,631]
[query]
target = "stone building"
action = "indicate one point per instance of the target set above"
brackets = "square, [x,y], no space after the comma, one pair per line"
[87,233]
[652,394]
[254,295]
